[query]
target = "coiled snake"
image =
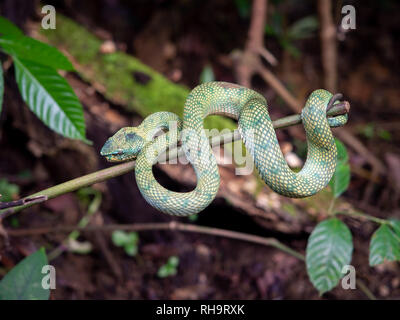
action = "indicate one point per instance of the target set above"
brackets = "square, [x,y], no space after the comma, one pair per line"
[257,132]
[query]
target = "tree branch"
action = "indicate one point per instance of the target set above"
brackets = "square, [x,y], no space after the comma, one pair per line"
[126,167]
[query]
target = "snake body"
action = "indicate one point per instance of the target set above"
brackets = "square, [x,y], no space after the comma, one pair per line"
[256,129]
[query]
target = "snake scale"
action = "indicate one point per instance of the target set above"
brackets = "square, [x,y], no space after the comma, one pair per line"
[257,132]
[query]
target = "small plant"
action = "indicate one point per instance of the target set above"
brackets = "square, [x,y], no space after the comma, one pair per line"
[301,29]
[46,93]
[8,191]
[330,245]
[128,240]
[170,268]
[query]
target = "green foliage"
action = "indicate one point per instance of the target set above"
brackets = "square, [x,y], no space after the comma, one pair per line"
[51,98]
[46,93]
[329,248]
[341,178]
[301,29]
[370,131]
[207,75]
[395,224]
[170,268]
[8,191]
[90,199]
[385,244]
[24,281]
[36,51]
[128,240]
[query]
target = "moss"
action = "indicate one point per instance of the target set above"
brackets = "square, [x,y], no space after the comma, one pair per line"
[115,73]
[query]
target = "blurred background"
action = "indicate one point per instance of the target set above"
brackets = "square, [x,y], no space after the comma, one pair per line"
[134,58]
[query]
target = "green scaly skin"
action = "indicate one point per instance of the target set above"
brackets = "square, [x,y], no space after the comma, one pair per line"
[258,134]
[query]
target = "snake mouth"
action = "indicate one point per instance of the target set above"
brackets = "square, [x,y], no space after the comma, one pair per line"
[117,157]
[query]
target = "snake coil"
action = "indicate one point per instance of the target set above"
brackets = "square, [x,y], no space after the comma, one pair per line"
[256,129]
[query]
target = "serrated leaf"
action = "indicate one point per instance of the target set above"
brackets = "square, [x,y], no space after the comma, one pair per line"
[33,50]
[1,87]
[385,245]
[51,98]
[24,281]
[329,248]
[7,27]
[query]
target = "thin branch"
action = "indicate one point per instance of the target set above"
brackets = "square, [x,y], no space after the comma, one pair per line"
[178,226]
[363,216]
[279,88]
[172,226]
[126,167]
[31,200]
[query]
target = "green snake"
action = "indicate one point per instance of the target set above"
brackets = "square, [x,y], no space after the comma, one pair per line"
[257,132]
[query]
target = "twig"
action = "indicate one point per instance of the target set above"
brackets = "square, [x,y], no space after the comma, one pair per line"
[249,64]
[126,167]
[363,216]
[26,201]
[279,88]
[173,226]
[178,226]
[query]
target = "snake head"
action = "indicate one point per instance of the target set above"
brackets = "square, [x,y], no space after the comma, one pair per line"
[123,145]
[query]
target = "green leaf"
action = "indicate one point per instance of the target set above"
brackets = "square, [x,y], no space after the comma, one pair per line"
[24,281]
[33,50]
[133,237]
[303,28]
[329,248]
[342,155]
[7,27]
[8,191]
[385,245]
[51,98]
[341,178]
[395,224]
[164,271]
[207,75]
[1,87]
[131,249]
[173,261]
[119,238]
